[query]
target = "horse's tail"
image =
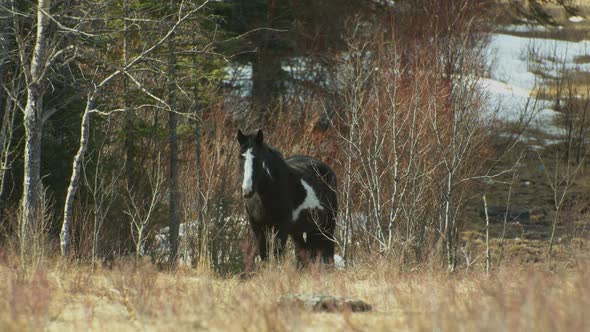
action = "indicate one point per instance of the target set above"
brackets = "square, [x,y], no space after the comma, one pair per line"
[330,179]
[333,184]
[327,175]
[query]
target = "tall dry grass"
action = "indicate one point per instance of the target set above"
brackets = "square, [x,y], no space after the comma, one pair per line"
[60,296]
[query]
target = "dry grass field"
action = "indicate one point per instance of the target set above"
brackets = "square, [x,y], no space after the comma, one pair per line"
[60,296]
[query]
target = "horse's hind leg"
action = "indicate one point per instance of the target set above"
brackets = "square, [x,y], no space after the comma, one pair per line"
[323,249]
[327,251]
[301,251]
[280,243]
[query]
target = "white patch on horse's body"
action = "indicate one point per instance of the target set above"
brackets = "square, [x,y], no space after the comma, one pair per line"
[248,171]
[311,201]
[304,237]
[266,169]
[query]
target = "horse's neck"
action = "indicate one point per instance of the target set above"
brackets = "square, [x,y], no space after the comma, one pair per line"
[279,178]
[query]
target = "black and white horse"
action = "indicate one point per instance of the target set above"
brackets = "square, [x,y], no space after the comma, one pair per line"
[295,197]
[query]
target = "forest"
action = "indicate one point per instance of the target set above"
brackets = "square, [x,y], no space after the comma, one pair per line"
[463,196]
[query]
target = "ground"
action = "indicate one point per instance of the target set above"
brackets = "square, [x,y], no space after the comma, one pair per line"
[60,296]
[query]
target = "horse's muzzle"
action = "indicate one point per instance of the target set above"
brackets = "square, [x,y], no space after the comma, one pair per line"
[248,194]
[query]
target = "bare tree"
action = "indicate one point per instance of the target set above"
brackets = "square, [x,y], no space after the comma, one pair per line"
[102,191]
[381,134]
[353,79]
[11,80]
[9,115]
[140,215]
[93,90]
[560,181]
[35,67]
[65,241]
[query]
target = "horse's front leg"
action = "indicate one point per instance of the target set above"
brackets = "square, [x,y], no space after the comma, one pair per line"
[260,238]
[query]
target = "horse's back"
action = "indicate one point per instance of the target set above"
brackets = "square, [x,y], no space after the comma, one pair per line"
[309,167]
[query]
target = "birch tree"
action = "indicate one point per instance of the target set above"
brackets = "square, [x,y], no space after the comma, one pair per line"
[35,68]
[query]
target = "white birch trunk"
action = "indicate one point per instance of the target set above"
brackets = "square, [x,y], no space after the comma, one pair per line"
[32,187]
[65,235]
[33,123]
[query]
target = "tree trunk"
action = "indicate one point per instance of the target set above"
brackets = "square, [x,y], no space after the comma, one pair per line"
[448,223]
[266,72]
[33,123]
[65,235]
[198,167]
[488,253]
[173,169]
[32,186]
[5,145]
[5,61]
[130,167]
[173,187]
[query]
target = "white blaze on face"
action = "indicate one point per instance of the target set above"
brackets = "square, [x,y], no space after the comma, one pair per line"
[248,172]
[311,201]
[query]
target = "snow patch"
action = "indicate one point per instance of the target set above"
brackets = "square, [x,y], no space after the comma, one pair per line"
[511,84]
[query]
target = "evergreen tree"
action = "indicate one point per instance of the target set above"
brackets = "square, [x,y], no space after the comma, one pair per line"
[271,31]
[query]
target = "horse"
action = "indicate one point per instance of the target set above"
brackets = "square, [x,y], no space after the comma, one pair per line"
[293,197]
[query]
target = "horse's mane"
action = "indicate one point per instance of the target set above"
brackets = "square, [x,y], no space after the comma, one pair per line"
[276,159]
[273,151]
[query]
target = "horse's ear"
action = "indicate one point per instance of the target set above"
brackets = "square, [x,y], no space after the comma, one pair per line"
[259,136]
[241,137]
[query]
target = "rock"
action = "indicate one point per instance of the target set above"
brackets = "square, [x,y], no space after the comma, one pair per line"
[515,214]
[323,303]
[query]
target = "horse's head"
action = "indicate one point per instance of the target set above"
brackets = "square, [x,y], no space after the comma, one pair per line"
[251,161]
